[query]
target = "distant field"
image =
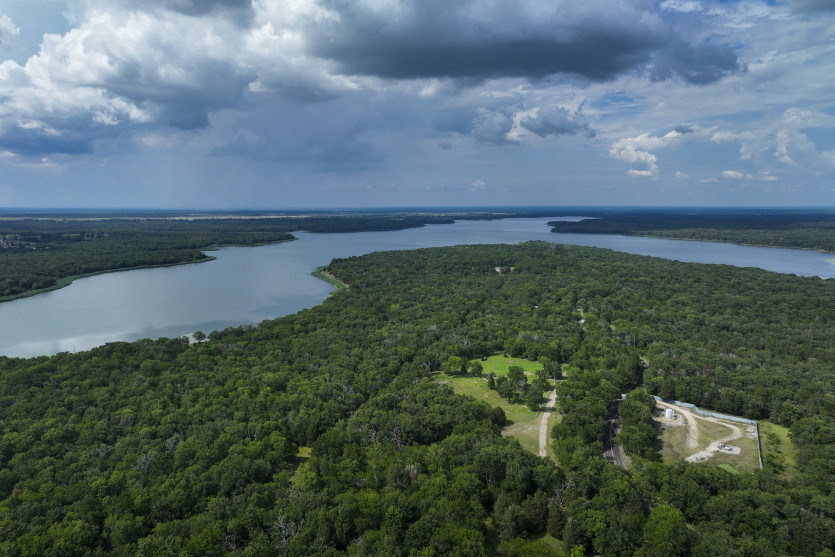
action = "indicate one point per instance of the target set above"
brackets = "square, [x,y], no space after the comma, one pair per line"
[523,423]
[695,438]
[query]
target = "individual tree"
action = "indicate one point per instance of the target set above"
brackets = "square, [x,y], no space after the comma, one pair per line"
[665,533]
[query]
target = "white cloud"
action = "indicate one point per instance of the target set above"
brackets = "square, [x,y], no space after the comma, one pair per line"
[638,150]
[733,174]
[737,175]
[7,29]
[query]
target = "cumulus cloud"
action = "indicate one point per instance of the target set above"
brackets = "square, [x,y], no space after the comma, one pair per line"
[492,127]
[119,68]
[7,29]
[785,144]
[638,151]
[555,120]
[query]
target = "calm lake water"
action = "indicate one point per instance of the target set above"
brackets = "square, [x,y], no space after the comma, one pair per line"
[248,285]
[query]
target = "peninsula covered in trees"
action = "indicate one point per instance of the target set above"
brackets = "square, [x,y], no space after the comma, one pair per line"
[324,432]
[785,228]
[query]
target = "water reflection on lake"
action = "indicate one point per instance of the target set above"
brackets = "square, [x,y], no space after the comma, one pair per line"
[248,285]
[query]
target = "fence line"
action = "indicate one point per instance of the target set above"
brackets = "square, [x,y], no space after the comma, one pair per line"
[701,412]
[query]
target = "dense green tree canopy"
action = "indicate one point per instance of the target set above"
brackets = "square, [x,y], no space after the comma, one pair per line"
[323,433]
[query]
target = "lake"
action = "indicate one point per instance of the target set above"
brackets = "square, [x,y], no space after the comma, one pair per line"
[248,285]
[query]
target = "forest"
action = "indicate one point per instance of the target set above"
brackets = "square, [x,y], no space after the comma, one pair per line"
[785,228]
[325,433]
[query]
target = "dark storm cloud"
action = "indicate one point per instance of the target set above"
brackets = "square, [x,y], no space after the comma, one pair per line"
[476,40]
[182,104]
[696,64]
[432,38]
[239,10]
[202,7]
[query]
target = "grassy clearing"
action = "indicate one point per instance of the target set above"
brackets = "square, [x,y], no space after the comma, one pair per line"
[746,461]
[710,432]
[476,387]
[499,364]
[673,444]
[777,449]
[523,424]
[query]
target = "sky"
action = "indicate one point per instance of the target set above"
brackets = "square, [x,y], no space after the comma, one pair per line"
[282,104]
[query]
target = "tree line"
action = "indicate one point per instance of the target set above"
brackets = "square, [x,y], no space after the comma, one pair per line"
[803,229]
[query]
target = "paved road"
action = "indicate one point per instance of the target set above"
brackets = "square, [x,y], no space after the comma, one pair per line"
[543,424]
[611,450]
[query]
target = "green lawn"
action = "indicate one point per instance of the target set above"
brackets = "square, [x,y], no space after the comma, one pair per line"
[523,424]
[777,449]
[746,461]
[499,364]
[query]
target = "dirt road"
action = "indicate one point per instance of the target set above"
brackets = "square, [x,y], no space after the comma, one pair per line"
[543,424]
[693,432]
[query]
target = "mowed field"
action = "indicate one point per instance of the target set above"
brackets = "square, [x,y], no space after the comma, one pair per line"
[705,439]
[523,424]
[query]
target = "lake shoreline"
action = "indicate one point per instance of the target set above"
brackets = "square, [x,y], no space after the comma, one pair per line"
[664,237]
[66,281]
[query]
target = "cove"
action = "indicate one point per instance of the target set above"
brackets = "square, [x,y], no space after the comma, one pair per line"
[249,285]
